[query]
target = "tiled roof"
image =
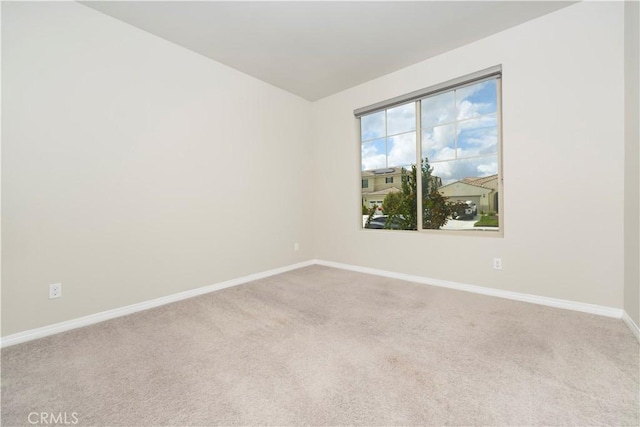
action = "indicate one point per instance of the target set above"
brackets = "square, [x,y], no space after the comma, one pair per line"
[480,182]
[382,192]
[382,171]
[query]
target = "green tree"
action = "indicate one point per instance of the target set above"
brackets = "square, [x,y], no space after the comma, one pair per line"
[436,210]
[371,213]
[392,203]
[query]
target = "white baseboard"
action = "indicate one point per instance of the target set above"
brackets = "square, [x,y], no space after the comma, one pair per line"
[517,296]
[631,324]
[133,308]
[56,328]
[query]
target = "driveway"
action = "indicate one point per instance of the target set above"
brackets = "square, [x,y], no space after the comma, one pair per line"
[460,224]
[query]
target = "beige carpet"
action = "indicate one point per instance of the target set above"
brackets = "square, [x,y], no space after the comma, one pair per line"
[329,347]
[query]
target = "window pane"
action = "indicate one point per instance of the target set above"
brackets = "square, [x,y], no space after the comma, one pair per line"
[459,148]
[438,143]
[384,201]
[478,137]
[470,190]
[402,149]
[435,212]
[438,109]
[374,154]
[372,126]
[475,100]
[401,119]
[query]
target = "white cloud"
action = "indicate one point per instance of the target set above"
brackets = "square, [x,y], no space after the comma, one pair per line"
[372,126]
[439,143]
[402,149]
[459,169]
[372,157]
[401,119]
[438,109]
[467,109]
[478,137]
[454,147]
[487,169]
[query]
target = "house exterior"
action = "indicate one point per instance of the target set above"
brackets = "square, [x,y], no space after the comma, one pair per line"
[376,184]
[483,191]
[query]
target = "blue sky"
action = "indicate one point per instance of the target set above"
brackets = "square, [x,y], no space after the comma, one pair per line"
[459,134]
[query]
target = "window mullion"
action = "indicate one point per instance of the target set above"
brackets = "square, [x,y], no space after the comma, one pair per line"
[455,124]
[419,165]
[386,140]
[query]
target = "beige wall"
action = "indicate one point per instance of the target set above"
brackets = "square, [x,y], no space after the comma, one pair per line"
[563,100]
[117,148]
[117,152]
[632,162]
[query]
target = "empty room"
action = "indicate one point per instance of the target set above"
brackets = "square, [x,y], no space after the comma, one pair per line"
[211,213]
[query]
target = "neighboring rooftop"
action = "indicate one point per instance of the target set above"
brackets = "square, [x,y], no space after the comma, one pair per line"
[382,171]
[479,181]
[383,192]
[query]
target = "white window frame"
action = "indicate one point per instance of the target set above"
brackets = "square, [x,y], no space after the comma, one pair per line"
[416,97]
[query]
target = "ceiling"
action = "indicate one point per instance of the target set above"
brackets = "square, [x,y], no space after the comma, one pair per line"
[314,49]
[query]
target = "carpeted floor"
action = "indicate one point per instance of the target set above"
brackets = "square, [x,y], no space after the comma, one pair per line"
[329,347]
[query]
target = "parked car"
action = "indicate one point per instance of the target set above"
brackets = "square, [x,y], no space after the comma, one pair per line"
[464,210]
[380,222]
[473,206]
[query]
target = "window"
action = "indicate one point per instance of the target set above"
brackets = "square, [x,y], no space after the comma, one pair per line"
[445,143]
[365,183]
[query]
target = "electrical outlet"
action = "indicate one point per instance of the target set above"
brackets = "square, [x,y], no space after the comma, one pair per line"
[296,247]
[497,263]
[55,290]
